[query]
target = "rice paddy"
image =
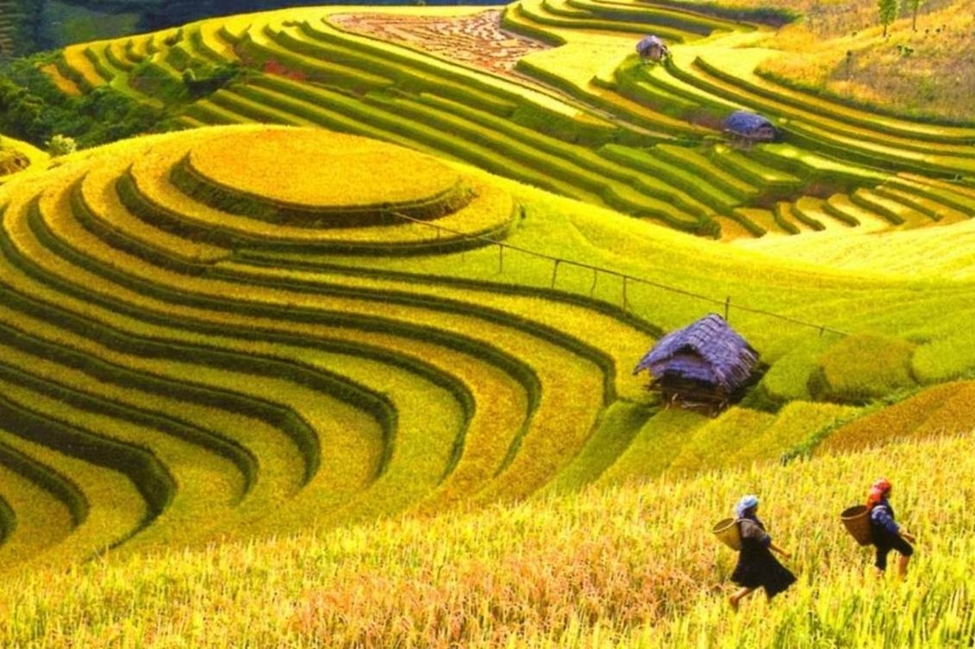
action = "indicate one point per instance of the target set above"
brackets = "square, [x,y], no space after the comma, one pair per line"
[348,362]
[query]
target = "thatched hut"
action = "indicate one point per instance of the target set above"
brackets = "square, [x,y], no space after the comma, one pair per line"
[746,127]
[651,48]
[706,365]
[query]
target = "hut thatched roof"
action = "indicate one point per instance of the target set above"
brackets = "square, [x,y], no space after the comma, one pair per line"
[649,42]
[744,122]
[707,350]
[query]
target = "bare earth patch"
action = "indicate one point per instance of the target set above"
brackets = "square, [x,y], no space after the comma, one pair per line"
[476,40]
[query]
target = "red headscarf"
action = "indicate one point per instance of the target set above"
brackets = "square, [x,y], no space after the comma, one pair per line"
[878,490]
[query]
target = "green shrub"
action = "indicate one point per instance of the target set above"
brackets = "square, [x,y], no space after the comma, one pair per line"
[863,367]
[61,145]
[202,79]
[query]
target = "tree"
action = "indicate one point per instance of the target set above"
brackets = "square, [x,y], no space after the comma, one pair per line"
[60,145]
[888,12]
[914,5]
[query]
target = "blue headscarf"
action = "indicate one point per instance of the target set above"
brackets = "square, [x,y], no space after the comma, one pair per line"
[746,503]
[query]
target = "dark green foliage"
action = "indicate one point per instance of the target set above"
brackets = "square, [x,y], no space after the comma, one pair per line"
[27,27]
[153,80]
[707,227]
[759,398]
[107,115]
[8,520]
[32,108]
[205,79]
[22,114]
[887,10]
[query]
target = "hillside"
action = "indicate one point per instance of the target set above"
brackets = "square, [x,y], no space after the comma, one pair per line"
[238,348]
[347,356]
[634,566]
[559,99]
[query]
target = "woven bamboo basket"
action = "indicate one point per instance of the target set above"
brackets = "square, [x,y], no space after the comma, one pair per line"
[728,533]
[856,519]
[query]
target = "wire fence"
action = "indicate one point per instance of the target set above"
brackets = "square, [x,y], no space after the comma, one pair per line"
[626,279]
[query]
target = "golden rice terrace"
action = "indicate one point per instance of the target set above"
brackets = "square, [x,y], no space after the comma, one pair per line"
[167,377]
[554,94]
[382,273]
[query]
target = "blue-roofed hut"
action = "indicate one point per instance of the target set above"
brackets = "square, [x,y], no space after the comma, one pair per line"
[706,365]
[748,127]
[652,48]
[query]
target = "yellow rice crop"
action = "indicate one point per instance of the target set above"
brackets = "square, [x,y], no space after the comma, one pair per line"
[713,445]
[212,42]
[564,376]
[928,81]
[794,424]
[634,566]
[491,207]
[42,520]
[941,410]
[655,445]
[98,191]
[867,365]
[74,56]
[116,510]
[65,85]
[320,169]
[624,343]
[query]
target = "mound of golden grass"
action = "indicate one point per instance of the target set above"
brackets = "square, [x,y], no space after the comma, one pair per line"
[16,157]
[315,168]
[936,411]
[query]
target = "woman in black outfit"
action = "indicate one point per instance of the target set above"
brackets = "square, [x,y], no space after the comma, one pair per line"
[887,534]
[756,564]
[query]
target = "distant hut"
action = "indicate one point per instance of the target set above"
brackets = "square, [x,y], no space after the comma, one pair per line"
[705,365]
[651,48]
[746,127]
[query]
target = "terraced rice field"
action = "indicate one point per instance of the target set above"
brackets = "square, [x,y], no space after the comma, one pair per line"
[276,323]
[236,396]
[10,17]
[403,269]
[312,335]
[552,94]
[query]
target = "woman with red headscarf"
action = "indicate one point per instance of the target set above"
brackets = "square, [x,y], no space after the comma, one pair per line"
[887,534]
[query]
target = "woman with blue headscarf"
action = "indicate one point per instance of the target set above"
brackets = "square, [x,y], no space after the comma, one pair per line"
[757,566]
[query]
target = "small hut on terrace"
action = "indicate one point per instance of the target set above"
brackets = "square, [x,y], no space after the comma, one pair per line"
[746,127]
[705,365]
[651,48]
